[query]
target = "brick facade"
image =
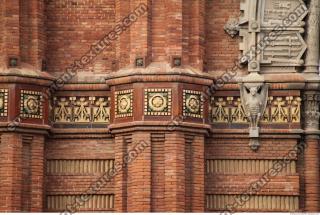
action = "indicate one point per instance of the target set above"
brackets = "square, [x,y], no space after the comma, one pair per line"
[77,148]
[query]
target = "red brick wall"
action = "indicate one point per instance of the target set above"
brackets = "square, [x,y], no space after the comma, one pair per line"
[72,27]
[22,165]
[221,49]
[11,172]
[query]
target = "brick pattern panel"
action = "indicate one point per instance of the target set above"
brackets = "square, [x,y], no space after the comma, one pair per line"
[232,168]
[255,203]
[72,166]
[57,203]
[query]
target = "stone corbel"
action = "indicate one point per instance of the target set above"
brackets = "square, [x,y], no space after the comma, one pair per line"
[254,95]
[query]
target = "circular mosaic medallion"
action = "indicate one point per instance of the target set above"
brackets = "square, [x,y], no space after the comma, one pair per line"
[31,105]
[124,104]
[193,104]
[158,102]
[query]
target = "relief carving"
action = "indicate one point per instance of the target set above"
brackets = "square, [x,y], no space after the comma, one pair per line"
[271,34]
[224,112]
[254,100]
[81,110]
[31,104]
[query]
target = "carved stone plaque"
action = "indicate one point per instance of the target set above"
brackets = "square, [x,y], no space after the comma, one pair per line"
[271,34]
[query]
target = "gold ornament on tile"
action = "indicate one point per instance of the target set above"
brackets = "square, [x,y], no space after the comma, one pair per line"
[81,109]
[62,110]
[31,104]
[123,103]
[101,110]
[192,103]
[278,110]
[3,102]
[157,102]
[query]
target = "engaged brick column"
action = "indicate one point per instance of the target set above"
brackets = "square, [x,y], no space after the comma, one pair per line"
[37,174]
[139,174]
[10,172]
[198,173]
[175,172]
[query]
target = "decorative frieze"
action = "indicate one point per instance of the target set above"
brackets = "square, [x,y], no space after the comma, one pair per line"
[31,104]
[278,110]
[192,103]
[82,109]
[157,102]
[3,102]
[123,103]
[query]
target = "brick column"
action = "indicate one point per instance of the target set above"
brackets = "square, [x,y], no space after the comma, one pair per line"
[10,172]
[175,172]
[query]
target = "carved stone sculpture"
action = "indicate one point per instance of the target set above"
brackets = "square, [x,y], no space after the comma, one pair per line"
[254,97]
[232,27]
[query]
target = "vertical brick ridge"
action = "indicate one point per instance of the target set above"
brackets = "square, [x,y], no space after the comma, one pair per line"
[10,172]
[158,172]
[188,171]
[37,173]
[175,172]
[139,175]
[197,34]
[174,27]
[198,174]
[3,55]
[301,171]
[311,175]
[121,144]
[122,9]
[26,173]
[159,29]
[140,31]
